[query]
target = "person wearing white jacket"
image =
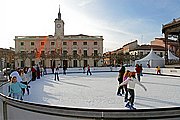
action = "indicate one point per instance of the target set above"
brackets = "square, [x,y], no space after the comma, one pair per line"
[131,81]
[56,73]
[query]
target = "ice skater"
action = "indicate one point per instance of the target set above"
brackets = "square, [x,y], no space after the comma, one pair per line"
[138,72]
[24,81]
[56,73]
[126,75]
[64,69]
[158,70]
[131,82]
[120,80]
[88,70]
[16,88]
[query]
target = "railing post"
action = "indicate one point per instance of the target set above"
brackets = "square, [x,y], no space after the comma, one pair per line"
[5,110]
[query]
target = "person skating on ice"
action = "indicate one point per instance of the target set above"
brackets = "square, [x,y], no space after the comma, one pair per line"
[131,82]
[16,88]
[24,81]
[120,80]
[126,75]
[158,70]
[56,75]
[88,70]
[64,69]
[138,72]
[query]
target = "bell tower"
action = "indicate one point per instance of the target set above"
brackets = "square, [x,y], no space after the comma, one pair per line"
[59,26]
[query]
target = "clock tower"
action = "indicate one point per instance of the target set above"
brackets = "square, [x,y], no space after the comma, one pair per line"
[59,26]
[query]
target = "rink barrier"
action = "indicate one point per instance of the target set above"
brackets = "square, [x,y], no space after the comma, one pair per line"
[164,71]
[16,110]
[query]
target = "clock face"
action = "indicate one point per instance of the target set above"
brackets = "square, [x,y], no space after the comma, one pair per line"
[58,25]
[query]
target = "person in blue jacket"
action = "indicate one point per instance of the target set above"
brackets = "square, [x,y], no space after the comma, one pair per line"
[16,88]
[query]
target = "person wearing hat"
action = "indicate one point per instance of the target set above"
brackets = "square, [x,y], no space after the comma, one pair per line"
[16,73]
[131,82]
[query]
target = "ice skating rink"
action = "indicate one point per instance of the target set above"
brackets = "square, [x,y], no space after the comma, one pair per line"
[99,91]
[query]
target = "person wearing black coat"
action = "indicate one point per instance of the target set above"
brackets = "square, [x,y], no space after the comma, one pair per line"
[120,80]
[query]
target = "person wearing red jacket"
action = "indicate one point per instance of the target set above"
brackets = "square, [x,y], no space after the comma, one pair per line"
[138,71]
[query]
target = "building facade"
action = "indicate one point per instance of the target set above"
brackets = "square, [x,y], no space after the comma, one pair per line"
[130,46]
[172,31]
[59,49]
[6,58]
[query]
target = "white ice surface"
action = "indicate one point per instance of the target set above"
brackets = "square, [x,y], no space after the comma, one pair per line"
[99,91]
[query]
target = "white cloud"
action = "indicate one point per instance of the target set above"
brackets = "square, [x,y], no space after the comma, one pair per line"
[85,2]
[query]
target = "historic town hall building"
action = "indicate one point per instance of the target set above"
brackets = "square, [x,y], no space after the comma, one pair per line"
[52,50]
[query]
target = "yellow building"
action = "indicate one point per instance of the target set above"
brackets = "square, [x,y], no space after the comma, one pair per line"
[52,50]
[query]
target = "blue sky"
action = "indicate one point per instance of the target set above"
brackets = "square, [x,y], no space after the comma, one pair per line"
[118,21]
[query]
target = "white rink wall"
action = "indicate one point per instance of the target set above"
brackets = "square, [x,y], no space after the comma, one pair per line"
[164,71]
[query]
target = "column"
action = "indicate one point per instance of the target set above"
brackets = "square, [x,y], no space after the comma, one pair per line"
[166,48]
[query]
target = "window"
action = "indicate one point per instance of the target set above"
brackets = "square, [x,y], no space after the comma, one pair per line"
[32,52]
[85,52]
[75,63]
[42,43]
[52,52]
[42,53]
[32,43]
[65,52]
[64,43]
[95,52]
[85,62]
[95,63]
[52,43]
[84,43]
[22,64]
[74,43]
[23,52]
[141,53]
[22,43]
[74,52]
[95,43]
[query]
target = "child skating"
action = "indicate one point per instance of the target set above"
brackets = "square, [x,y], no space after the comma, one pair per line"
[16,88]
[131,82]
